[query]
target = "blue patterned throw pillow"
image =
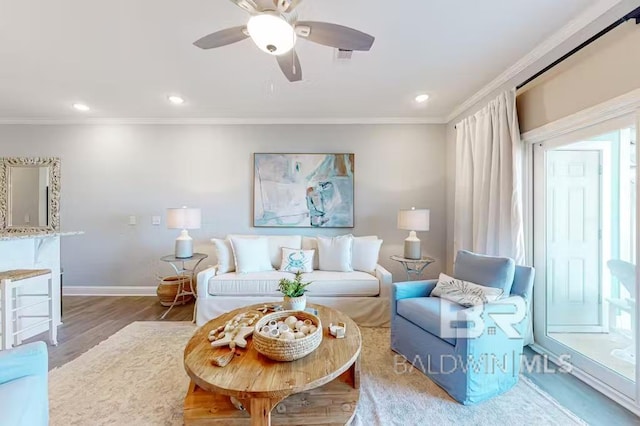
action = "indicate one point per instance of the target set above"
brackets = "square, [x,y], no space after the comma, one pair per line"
[465,293]
[296,260]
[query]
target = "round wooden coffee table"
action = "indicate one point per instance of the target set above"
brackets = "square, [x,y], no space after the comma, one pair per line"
[321,388]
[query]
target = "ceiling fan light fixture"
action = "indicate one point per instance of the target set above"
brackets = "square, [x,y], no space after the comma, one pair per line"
[81,107]
[175,99]
[271,33]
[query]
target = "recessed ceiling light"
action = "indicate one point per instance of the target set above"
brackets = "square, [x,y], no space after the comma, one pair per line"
[81,107]
[176,100]
[422,98]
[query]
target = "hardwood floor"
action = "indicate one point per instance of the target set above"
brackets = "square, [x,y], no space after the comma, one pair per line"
[89,320]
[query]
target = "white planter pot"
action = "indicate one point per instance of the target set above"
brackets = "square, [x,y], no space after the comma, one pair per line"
[295,303]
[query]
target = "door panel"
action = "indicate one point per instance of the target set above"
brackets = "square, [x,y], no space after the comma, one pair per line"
[573,243]
[584,228]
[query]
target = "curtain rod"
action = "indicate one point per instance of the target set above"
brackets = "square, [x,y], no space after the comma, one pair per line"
[635,14]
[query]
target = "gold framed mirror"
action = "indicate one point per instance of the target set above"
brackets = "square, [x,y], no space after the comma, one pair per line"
[29,194]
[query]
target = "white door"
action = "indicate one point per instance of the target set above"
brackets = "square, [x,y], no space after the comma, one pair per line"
[582,192]
[573,240]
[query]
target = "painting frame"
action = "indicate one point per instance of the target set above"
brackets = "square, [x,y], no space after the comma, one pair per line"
[303,190]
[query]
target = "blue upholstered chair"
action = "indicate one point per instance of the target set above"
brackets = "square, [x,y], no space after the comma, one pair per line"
[24,396]
[472,353]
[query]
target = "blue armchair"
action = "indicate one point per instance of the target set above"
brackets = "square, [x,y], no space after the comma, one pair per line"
[24,396]
[472,353]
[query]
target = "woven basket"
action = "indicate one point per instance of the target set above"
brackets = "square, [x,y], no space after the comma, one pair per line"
[168,288]
[287,350]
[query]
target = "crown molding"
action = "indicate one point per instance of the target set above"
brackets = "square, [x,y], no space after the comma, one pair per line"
[216,121]
[577,24]
[614,108]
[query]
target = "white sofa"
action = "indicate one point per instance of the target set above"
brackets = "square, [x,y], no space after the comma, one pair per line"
[364,296]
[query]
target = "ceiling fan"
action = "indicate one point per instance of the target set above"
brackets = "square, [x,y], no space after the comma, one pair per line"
[275,29]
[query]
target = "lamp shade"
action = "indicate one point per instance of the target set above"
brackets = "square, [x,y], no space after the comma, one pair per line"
[413,219]
[183,218]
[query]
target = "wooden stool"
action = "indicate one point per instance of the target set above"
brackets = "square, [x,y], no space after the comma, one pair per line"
[10,282]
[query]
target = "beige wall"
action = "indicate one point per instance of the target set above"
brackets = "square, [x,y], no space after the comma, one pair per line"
[111,172]
[611,66]
[605,69]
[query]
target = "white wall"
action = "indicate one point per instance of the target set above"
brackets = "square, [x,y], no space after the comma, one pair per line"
[110,172]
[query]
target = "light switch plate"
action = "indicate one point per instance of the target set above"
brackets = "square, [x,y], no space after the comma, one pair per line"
[133,220]
[155,220]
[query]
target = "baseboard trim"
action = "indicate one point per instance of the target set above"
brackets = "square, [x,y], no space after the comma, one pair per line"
[109,291]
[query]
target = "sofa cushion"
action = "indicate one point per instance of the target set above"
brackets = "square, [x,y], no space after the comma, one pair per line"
[251,254]
[365,252]
[224,254]
[335,253]
[311,243]
[325,283]
[297,260]
[275,243]
[489,271]
[429,313]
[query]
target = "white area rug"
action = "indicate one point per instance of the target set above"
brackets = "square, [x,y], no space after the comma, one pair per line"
[136,377]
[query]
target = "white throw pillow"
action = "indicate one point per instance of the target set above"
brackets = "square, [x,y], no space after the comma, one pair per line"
[365,254]
[465,293]
[277,242]
[335,253]
[311,243]
[224,254]
[251,254]
[297,260]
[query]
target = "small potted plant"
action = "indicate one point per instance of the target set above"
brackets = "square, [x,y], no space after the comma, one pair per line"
[293,291]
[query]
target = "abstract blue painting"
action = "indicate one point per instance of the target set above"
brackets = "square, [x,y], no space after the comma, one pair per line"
[303,190]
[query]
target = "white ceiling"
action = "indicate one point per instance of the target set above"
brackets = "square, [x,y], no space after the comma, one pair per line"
[123,57]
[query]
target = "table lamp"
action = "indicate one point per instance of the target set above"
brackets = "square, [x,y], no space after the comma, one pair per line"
[183,218]
[413,220]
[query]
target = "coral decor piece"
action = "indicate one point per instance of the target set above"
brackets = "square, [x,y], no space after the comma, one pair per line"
[235,331]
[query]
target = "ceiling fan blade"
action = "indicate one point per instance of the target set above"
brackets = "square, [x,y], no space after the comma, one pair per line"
[247,5]
[286,6]
[336,35]
[290,66]
[222,38]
